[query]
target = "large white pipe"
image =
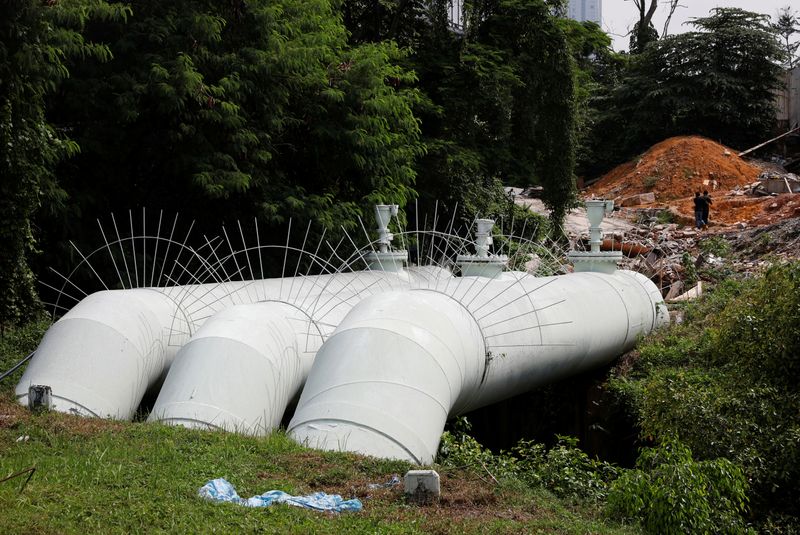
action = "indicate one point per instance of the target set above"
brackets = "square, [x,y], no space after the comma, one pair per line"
[103,355]
[540,330]
[386,380]
[245,364]
[400,363]
[240,370]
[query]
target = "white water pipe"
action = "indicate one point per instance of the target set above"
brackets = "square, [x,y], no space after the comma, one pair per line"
[101,357]
[240,369]
[400,364]
[245,364]
[103,354]
[385,382]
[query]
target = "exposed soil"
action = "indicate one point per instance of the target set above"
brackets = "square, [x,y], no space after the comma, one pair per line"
[749,228]
[676,168]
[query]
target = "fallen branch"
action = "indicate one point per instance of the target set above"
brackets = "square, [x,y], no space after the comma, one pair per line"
[490,474]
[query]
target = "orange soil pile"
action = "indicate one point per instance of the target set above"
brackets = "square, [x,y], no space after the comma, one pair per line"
[675,169]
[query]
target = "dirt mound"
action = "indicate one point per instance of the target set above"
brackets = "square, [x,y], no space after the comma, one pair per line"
[675,169]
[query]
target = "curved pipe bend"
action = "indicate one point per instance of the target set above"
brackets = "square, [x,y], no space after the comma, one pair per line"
[385,382]
[240,369]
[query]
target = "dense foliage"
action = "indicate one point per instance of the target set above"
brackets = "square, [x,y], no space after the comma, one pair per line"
[717,81]
[725,382]
[667,493]
[247,109]
[308,110]
[500,105]
[597,71]
[671,493]
[564,469]
[36,42]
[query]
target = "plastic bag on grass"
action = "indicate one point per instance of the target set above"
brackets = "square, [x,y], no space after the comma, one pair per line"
[220,490]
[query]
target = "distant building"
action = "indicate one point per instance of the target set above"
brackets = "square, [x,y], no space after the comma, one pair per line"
[787,100]
[582,10]
[455,15]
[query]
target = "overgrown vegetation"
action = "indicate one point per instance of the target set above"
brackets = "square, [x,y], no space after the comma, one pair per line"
[36,44]
[668,492]
[671,493]
[308,110]
[725,383]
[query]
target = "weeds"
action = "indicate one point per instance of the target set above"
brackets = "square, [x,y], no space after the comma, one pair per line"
[649,182]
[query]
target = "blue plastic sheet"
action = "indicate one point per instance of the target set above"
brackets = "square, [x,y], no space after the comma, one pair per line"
[220,490]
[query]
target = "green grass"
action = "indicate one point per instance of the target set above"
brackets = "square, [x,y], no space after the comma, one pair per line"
[117,477]
[113,477]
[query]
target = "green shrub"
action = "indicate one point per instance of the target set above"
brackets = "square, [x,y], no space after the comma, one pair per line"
[457,449]
[664,217]
[565,470]
[716,245]
[758,333]
[725,382]
[15,344]
[689,270]
[649,181]
[671,493]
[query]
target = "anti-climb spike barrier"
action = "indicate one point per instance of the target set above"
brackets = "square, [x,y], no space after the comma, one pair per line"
[379,358]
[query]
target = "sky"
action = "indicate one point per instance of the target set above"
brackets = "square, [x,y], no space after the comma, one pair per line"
[620,15]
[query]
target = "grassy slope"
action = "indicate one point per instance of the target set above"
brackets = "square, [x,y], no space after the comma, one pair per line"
[104,476]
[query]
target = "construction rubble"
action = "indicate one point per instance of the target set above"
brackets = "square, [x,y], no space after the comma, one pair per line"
[754,218]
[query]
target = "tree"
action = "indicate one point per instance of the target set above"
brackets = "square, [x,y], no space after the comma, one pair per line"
[36,41]
[643,32]
[500,106]
[673,5]
[786,27]
[717,82]
[241,109]
[597,71]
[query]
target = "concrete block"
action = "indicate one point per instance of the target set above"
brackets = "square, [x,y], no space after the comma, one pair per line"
[422,486]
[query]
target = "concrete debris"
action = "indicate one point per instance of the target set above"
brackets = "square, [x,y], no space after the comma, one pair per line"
[670,253]
[754,218]
[692,294]
[776,182]
[636,200]
[675,290]
[422,486]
